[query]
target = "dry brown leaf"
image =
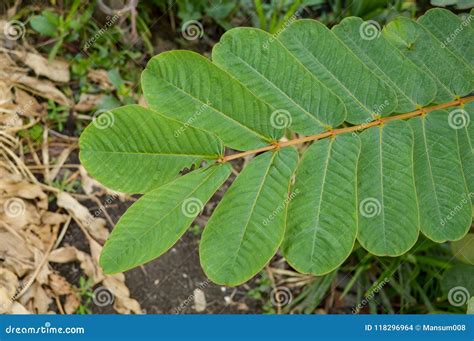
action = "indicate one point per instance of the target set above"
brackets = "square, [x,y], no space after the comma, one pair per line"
[59,285]
[101,78]
[40,87]
[71,304]
[123,304]
[27,104]
[88,102]
[56,70]
[95,226]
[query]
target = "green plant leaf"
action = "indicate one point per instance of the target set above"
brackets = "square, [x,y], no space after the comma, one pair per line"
[248,225]
[440,183]
[133,149]
[322,216]
[388,207]
[266,67]
[363,93]
[413,87]
[158,219]
[189,87]
[42,25]
[451,32]
[452,74]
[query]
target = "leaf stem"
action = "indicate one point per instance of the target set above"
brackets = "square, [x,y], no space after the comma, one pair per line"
[334,132]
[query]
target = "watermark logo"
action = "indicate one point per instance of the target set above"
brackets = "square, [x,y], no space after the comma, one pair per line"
[280,119]
[281,296]
[191,207]
[192,30]
[458,296]
[103,297]
[458,119]
[14,207]
[370,207]
[369,30]
[103,119]
[14,30]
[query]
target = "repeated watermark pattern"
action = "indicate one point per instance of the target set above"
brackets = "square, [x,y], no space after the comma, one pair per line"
[192,30]
[283,27]
[370,296]
[14,30]
[191,207]
[280,119]
[103,119]
[281,296]
[370,207]
[108,24]
[458,119]
[193,118]
[464,24]
[455,210]
[281,207]
[14,207]
[103,297]
[458,296]
[369,30]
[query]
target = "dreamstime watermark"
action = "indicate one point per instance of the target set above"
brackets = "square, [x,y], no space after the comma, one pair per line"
[14,207]
[283,27]
[191,297]
[458,296]
[102,297]
[369,30]
[370,207]
[280,207]
[103,119]
[370,295]
[192,30]
[193,118]
[281,296]
[98,212]
[191,207]
[45,329]
[377,112]
[464,24]
[14,30]
[456,209]
[458,118]
[280,119]
[108,24]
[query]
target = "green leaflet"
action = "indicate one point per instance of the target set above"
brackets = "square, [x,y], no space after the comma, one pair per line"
[158,219]
[133,149]
[445,211]
[322,216]
[452,74]
[248,225]
[463,249]
[451,32]
[261,63]
[316,47]
[413,86]
[460,279]
[462,120]
[388,207]
[187,86]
